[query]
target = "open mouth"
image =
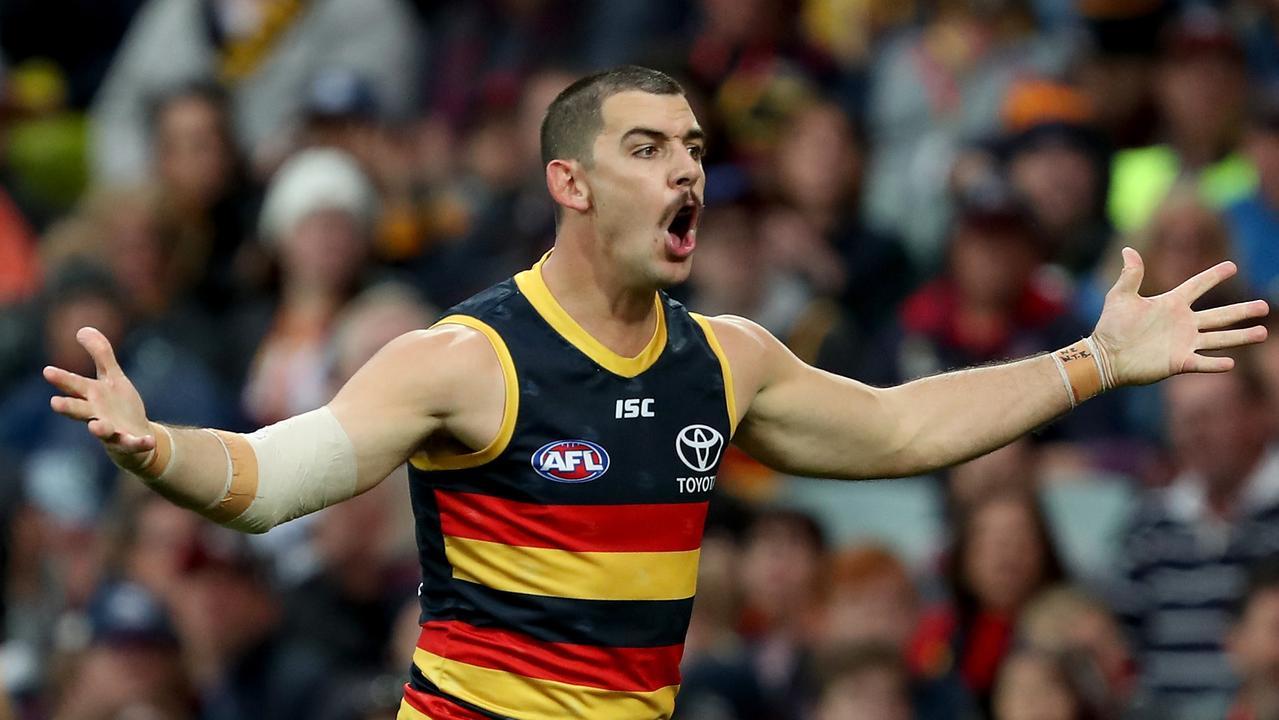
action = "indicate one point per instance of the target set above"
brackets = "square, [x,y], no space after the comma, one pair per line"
[683,221]
[681,233]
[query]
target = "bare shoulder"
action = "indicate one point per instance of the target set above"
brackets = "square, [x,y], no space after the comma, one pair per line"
[435,370]
[744,340]
[753,353]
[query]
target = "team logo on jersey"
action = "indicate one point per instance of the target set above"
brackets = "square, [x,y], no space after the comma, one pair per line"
[699,446]
[570,461]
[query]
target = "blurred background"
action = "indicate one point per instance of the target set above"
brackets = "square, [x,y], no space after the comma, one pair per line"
[250,197]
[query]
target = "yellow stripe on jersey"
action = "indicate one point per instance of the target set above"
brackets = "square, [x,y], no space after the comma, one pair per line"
[408,712]
[535,699]
[511,409]
[535,290]
[730,393]
[578,575]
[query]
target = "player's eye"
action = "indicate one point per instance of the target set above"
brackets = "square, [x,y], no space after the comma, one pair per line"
[697,152]
[646,151]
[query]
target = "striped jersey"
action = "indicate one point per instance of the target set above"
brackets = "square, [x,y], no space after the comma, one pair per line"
[1183,572]
[559,563]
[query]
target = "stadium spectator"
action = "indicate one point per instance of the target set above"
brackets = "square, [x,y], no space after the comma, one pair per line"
[933,88]
[228,617]
[1188,546]
[264,52]
[737,277]
[339,619]
[865,682]
[782,568]
[718,679]
[373,318]
[1254,644]
[1065,620]
[1201,91]
[1116,63]
[1057,159]
[991,301]
[1254,220]
[1002,556]
[872,601]
[317,217]
[132,666]
[134,233]
[814,230]
[1037,685]
[987,305]
[204,190]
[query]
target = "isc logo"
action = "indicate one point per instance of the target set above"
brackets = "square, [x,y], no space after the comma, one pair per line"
[570,461]
[634,407]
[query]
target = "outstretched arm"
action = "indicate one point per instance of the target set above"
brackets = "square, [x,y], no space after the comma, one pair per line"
[808,422]
[420,385]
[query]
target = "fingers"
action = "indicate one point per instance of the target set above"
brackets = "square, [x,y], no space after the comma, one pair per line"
[101,429]
[1230,314]
[1230,338]
[99,348]
[74,408]
[105,431]
[1134,270]
[1205,364]
[1194,288]
[67,382]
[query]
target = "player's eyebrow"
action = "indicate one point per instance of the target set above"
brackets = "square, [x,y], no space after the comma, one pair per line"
[694,133]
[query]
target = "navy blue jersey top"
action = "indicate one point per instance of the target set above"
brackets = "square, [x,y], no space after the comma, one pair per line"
[559,563]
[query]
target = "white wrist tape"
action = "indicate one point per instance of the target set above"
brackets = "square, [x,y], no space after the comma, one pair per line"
[286,470]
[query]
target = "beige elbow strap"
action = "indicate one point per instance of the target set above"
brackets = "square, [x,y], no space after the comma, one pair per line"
[242,478]
[284,471]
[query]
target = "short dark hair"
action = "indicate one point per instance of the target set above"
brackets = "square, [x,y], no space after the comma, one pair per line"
[574,118]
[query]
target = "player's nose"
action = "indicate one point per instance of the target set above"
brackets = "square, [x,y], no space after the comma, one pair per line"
[686,172]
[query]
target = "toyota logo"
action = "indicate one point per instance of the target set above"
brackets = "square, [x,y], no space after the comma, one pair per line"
[699,447]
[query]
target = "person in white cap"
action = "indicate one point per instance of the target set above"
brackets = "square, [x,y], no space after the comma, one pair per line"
[317,218]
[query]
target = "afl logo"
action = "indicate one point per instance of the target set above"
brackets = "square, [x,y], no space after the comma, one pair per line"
[699,447]
[570,461]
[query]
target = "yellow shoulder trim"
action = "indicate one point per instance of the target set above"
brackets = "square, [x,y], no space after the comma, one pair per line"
[510,410]
[730,394]
[533,286]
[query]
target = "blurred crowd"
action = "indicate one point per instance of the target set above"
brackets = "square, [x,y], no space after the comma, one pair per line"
[249,197]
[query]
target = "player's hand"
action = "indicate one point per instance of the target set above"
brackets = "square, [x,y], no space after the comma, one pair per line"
[109,403]
[1146,339]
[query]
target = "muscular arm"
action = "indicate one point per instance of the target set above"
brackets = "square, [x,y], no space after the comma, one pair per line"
[423,385]
[804,421]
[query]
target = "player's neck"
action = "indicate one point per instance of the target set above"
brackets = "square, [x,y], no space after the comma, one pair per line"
[622,318]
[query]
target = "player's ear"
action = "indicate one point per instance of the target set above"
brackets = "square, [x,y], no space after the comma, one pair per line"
[564,178]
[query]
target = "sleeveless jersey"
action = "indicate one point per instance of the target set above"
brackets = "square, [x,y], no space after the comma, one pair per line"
[559,563]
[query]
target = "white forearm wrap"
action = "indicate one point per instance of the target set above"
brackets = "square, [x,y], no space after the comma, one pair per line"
[291,468]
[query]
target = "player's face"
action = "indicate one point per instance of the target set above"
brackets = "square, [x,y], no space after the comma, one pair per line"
[647,185]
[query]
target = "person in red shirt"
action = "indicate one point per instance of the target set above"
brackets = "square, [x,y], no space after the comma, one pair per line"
[1003,555]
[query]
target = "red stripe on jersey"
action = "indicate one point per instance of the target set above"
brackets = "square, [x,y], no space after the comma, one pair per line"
[579,528]
[619,669]
[437,708]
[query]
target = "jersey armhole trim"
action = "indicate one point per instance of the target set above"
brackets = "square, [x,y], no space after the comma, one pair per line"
[730,395]
[510,410]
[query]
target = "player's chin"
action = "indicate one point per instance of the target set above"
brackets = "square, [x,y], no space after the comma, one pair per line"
[673,269]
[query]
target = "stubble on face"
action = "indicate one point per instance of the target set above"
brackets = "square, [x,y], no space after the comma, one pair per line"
[632,179]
